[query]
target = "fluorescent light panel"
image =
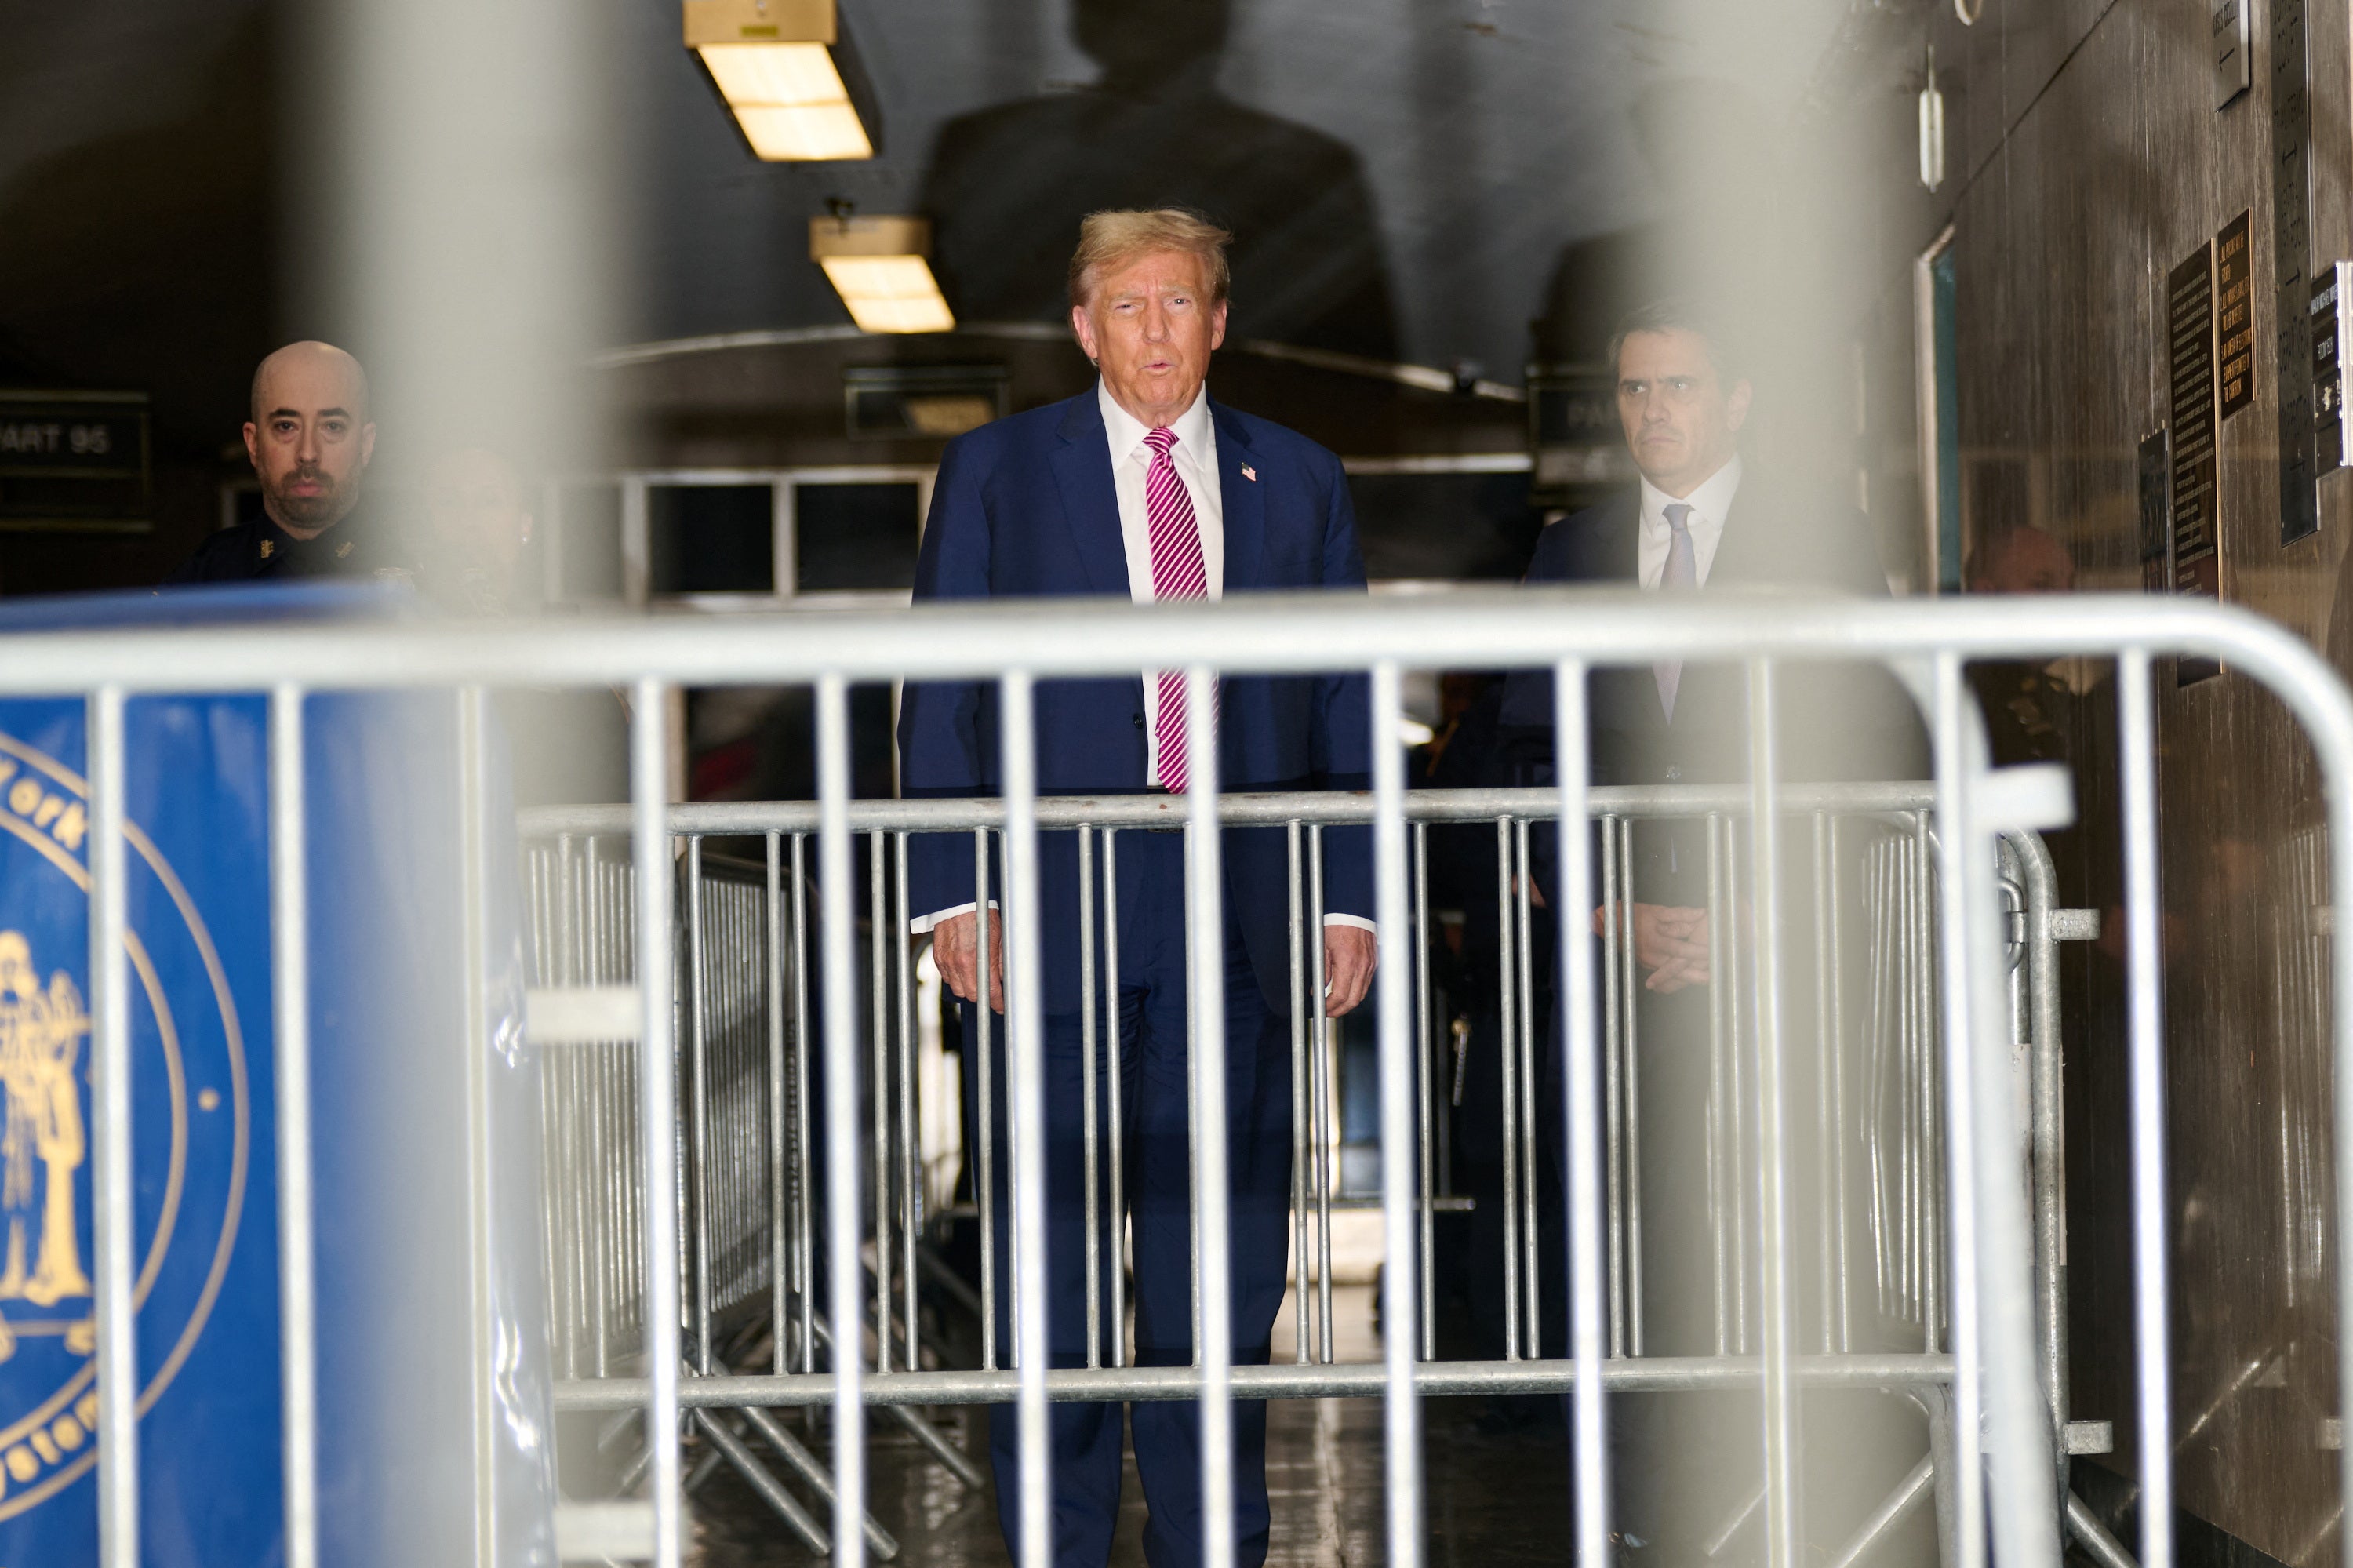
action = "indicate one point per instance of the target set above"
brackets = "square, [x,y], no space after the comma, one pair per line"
[889,293]
[803,133]
[789,100]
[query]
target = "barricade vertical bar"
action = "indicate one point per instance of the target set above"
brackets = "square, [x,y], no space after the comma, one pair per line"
[1612,1088]
[1394,979]
[1319,1040]
[2048,1135]
[1833,935]
[657,1102]
[289,968]
[1826,1125]
[1195,1218]
[779,1300]
[1720,1183]
[2021,1448]
[699,1107]
[2145,975]
[985,1189]
[1302,1095]
[1588,1432]
[879,1014]
[804,1145]
[1088,1136]
[1525,1055]
[1423,1001]
[1206,948]
[1960,1113]
[843,1268]
[1782,1529]
[910,1164]
[1922,1000]
[117,1325]
[1630,1050]
[1507,963]
[1118,1196]
[1736,1088]
[1025,1027]
[2328,719]
[473,925]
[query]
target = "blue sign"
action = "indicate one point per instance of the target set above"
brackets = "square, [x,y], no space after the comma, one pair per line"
[204,1238]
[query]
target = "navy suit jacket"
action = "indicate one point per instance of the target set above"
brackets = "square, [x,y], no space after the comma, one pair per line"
[1838,723]
[1026,507]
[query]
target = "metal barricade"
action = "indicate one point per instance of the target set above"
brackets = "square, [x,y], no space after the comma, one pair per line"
[1878,1254]
[1988,1344]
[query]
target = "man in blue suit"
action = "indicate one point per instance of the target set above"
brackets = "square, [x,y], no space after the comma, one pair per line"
[1144,488]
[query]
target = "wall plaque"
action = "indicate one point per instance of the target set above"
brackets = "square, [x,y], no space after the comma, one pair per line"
[2189,358]
[2234,318]
[2332,420]
[2291,67]
[2233,74]
[2156,516]
[73,461]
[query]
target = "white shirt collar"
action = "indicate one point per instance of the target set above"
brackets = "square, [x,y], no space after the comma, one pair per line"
[1710,505]
[1711,501]
[1195,438]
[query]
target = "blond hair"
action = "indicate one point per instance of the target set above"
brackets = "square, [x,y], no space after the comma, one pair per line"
[1108,239]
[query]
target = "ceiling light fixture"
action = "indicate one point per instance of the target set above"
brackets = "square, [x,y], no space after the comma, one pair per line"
[774,63]
[879,267]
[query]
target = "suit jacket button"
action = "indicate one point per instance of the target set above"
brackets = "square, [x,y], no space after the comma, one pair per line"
[1139,720]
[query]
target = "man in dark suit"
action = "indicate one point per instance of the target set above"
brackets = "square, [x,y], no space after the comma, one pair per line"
[1700,518]
[1144,488]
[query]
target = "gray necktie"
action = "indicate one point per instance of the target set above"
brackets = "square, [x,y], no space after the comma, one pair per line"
[1682,572]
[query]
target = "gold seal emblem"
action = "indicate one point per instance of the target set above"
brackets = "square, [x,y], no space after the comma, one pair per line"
[41,1031]
[190,1125]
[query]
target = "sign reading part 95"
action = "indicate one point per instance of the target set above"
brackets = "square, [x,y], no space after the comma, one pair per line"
[73,461]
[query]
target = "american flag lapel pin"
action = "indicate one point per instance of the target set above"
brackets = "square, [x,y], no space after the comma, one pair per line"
[1250,473]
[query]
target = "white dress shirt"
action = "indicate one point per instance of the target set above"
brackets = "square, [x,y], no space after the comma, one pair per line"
[1195,457]
[1710,504]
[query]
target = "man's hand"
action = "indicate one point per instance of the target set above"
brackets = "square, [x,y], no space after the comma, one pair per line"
[955,943]
[1349,955]
[1671,943]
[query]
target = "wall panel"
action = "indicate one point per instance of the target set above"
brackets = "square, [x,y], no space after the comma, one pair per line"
[2108,166]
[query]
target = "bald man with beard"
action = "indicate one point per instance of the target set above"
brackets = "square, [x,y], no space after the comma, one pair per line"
[310,438]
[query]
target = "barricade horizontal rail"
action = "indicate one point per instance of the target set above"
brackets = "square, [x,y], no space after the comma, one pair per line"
[1261,634]
[1997,1444]
[1338,1380]
[721,819]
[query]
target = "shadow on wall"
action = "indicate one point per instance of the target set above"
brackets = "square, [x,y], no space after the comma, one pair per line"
[1008,185]
[1711,152]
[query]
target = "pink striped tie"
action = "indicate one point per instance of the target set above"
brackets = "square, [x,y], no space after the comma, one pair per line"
[1177,573]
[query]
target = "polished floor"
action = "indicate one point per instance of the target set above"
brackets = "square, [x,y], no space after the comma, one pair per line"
[1497,1484]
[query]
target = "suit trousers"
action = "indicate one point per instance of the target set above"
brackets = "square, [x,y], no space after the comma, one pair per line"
[1157,1173]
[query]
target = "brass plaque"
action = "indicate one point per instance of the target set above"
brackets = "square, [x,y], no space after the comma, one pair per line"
[2234,317]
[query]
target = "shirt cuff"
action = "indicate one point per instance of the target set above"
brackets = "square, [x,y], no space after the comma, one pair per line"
[922,923]
[1358,921]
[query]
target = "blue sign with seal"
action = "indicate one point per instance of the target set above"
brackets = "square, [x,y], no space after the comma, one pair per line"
[205,1237]
[401,1480]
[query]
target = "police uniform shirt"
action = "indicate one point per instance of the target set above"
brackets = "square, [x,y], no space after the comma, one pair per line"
[259,550]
